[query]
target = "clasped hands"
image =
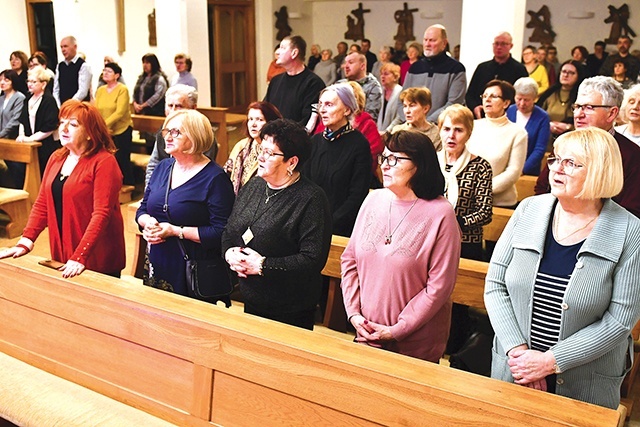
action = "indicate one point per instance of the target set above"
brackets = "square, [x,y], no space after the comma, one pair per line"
[530,367]
[244,261]
[370,332]
[155,232]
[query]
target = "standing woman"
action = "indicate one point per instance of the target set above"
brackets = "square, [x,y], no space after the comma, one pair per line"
[558,99]
[148,94]
[414,51]
[502,143]
[385,58]
[416,104]
[389,76]
[401,263]
[243,159]
[112,100]
[20,64]
[79,198]
[536,71]
[11,104]
[40,117]
[340,160]
[39,59]
[278,236]
[188,199]
[562,287]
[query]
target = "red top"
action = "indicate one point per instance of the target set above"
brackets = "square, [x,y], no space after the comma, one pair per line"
[92,226]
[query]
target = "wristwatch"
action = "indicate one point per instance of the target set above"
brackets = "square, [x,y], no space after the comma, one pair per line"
[181,234]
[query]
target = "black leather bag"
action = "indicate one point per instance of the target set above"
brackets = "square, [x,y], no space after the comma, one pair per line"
[207,279]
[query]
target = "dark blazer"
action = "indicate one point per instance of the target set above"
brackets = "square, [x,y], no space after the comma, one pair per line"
[46,121]
[538,130]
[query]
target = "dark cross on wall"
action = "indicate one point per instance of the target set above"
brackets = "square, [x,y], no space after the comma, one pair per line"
[355,28]
[618,18]
[404,18]
[541,24]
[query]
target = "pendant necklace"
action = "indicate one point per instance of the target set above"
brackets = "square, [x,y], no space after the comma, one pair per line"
[556,220]
[269,196]
[387,238]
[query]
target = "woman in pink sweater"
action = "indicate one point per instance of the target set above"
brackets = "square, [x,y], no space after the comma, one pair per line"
[400,266]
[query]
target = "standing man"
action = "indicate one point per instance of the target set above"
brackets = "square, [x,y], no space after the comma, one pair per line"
[441,74]
[633,63]
[371,57]
[501,67]
[596,59]
[340,56]
[73,75]
[183,76]
[598,103]
[294,91]
[355,69]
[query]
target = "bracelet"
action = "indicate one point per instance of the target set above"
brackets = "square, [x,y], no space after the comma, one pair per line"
[181,234]
[20,245]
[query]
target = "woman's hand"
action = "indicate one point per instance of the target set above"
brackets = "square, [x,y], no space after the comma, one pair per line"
[150,230]
[558,128]
[530,366]
[370,332]
[71,269]
[23,247]
[137,107]
[244,261]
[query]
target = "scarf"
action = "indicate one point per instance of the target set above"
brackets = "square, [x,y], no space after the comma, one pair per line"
[332,136]
[450,179]
[244,166]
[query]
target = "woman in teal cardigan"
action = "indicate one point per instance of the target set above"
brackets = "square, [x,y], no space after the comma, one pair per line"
[562,288]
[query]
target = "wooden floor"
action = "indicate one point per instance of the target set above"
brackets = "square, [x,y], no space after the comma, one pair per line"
[42,249]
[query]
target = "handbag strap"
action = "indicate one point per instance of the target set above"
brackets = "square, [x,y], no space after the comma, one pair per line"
[165,209]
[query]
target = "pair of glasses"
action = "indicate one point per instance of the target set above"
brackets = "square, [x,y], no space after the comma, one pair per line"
[391,159]
[267,154]
[175,133]
[568,72]
[490,96]
[568,165]
[588,108]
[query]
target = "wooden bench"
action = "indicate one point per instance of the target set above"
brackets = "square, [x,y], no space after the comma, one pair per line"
[194,364]
[499,219]
[525,186]
[17,203]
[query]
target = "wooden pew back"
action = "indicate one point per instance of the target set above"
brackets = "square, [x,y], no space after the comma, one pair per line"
[24,152]
[194,364]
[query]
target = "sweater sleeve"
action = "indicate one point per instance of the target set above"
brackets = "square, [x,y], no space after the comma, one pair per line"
[541,138]
[442,272]
[122,106]
[512,172]
[220,199]
[106,191]
[483,200]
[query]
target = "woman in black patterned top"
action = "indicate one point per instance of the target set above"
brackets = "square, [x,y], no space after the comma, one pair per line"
[468,178]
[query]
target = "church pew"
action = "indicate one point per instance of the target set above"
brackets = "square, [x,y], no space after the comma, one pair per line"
[17,203]
[499,219]
[525,186]
[194,364]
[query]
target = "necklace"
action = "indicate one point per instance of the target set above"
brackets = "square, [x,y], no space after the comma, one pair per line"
[269,196]
[387,238]
[556,219]
[563,102]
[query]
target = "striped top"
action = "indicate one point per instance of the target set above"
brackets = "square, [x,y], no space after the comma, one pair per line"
[553,276]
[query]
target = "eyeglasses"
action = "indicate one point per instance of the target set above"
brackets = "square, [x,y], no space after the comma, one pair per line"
[175,133]
[568,72]
[267,154]
[490,96]
[588,108]
[568,165]
[391,159]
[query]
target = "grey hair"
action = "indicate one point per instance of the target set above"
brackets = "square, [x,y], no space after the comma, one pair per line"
[385,49]
[526,86]
[189,92]
[346,95]
[611,91]
[633,91]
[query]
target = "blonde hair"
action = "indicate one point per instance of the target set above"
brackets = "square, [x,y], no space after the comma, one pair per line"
[599,152]
[39,73]
[459,114]
[361,99]
[394,69]
[196,127]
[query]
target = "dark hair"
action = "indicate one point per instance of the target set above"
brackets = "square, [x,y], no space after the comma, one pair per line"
[41,57]
[268,110]
[9,74]
[550,47]
[573,93]
[115,67]
[620,60]
[94,125]
[601,44]
[428,182]
[583,51]
[366,41]
[290,137]
[298,42]
[153,60]
[507,89]
[24,59]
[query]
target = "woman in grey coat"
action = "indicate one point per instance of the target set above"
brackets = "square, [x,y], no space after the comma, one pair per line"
[562,288]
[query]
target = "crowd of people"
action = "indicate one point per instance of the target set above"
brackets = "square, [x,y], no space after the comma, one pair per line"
[397,153]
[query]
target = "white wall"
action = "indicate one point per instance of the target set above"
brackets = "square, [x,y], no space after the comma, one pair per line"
[14,36]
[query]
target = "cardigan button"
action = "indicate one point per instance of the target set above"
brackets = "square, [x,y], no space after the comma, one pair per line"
[559,381]
[579,264]
[564,306]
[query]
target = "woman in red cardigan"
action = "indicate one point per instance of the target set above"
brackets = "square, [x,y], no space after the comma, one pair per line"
[78,199]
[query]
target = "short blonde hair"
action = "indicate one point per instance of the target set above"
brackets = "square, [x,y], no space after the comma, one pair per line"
[39,73]
[459,115]
[394,69]
[361,99]
[196,127]
[599,152]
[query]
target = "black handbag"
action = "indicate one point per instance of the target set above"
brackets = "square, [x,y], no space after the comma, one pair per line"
[207,279]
